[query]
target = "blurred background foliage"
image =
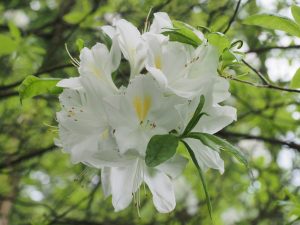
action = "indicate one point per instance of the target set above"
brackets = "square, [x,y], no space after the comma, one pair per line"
[40,186]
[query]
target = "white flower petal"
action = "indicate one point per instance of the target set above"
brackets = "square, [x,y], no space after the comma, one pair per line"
[162,190]
[218,118]
[124,182]
[105,181]
[161,20]
[174,166]
[206,157]
[73,83]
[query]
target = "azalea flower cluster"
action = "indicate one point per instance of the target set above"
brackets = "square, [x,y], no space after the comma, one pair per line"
[109,128]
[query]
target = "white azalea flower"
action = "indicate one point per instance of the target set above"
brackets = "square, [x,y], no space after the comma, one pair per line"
[109,128]
[141,112]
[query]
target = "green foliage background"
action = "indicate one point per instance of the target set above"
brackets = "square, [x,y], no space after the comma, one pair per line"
[38,183]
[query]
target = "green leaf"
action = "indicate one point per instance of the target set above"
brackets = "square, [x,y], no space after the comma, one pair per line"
[160,148]
[80,44]
[218,144]
[196,117]
[182,33]
[74,17]
[295,82]
[274,22]
[33,86]
[187,30]
[14,31]
[219,40]
[203,181]
[8,45]
[296,13]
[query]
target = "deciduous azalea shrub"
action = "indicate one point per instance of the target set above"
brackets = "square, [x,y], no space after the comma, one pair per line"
[174,96]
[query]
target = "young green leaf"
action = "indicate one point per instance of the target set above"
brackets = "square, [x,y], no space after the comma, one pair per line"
[218,144]
[196,117]
[219,40]
[182,33]
[296,13]
[208,202]
[187,30]
[33,86]
[8,45]
[160,148]
[80,44]
[14,31]
[295,82]
[275,22]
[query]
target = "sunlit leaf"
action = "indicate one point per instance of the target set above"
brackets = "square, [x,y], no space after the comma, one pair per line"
[33,86]
[7,45]
[295,82]
[274,22]
[219,40]
[296,13]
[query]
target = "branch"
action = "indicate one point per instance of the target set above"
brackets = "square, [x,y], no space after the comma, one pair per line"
[6,163]
[264,49]
[233,16]
[48,70]
[266,83]
[294,145]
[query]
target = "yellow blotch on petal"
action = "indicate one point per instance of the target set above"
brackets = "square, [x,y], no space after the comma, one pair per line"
[157,62]
[142,106]
[105,134]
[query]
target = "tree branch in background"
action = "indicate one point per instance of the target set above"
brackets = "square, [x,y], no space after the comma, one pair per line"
[264,49]
[48,70]
[6,163]
[266,83]
[233,16]
[227,134]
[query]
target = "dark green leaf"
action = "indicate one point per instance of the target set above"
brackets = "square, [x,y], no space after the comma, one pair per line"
[160,148]
[208,202]
[33,86]
[275,22]
[295,82]
[218,144]
[196,117]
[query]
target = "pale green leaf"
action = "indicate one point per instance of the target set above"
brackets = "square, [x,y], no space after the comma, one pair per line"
[274,22]
[33,86]
[219,40]
[296,13]
[7,45]
[295,82]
